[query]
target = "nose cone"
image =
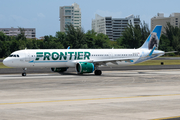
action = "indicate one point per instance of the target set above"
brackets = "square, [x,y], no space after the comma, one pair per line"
[7,62]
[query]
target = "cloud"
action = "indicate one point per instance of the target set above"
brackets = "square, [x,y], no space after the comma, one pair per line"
[40,15]
[108,13]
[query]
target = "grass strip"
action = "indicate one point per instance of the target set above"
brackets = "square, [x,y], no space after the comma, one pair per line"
[3,66]
[158,62]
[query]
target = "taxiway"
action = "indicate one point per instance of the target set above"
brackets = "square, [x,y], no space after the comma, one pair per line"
[116,95]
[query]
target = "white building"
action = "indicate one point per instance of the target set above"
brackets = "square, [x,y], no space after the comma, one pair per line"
[98,24]
[113,27]
[173,19]
[29,32]
[70,14]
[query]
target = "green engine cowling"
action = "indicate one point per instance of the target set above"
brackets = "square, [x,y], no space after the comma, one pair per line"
[59,69]
[84,67]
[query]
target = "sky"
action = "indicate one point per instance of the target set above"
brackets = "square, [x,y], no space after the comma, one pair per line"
[44,14]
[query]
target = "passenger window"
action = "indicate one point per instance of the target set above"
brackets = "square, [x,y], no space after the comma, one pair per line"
[17,55]
[14,55]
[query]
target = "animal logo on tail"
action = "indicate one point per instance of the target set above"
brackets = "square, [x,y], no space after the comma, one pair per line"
[153,41]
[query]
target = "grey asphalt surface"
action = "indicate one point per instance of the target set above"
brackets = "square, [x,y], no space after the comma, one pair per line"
[47,70]
[115,95]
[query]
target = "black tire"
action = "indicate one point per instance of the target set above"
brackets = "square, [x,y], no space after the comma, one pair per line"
[97,72]
[23,74]
[100,72]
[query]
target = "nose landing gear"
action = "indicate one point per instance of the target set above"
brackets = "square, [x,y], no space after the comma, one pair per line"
[24,73]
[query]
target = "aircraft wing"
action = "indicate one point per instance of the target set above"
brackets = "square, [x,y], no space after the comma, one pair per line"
[114,61]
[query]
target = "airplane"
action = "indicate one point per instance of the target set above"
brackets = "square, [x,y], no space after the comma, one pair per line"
[85,60]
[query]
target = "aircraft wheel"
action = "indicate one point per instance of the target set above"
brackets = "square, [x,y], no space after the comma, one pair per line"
[23,74]
[97,72]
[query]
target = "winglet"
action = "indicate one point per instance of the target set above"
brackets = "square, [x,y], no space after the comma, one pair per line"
[68,47]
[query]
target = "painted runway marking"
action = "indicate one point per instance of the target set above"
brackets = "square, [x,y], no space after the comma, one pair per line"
[169,118]
[89,99]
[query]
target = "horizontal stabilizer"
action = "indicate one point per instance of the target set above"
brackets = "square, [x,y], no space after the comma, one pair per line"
[170,52]
[164,53]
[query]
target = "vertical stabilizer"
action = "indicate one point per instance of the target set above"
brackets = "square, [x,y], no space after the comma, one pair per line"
[153,39]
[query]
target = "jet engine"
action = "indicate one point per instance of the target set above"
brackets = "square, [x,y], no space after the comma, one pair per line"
[84,67]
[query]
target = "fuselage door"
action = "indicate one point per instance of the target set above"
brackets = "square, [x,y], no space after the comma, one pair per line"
[110,55]
[27,58]
[31,59]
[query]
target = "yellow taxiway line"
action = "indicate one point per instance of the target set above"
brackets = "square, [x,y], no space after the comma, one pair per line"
[168,118]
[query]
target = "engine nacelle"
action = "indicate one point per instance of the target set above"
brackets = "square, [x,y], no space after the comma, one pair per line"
[59,69]
[84,67]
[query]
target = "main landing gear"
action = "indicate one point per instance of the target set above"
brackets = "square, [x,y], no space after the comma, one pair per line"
[24,73]
[97,72]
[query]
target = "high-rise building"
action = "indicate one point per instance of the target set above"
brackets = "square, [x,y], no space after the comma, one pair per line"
[173,19]
[70,15]
[29,32]
[113,27]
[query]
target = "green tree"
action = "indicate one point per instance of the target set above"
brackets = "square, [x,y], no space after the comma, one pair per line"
[21,36]
[102,41]
[75,37]
[170,39]
[119,42]
[131,37]
[3,37]
[5,49]
[91,38]
[61,36]
[134,36]
[165,44]
[145,32]
[14,45]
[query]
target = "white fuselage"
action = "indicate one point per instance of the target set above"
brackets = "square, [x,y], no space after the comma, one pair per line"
[50,58]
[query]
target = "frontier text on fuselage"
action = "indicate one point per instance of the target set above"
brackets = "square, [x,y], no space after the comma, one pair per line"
[63,55]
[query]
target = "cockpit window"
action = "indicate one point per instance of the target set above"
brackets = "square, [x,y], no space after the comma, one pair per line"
[12,55]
